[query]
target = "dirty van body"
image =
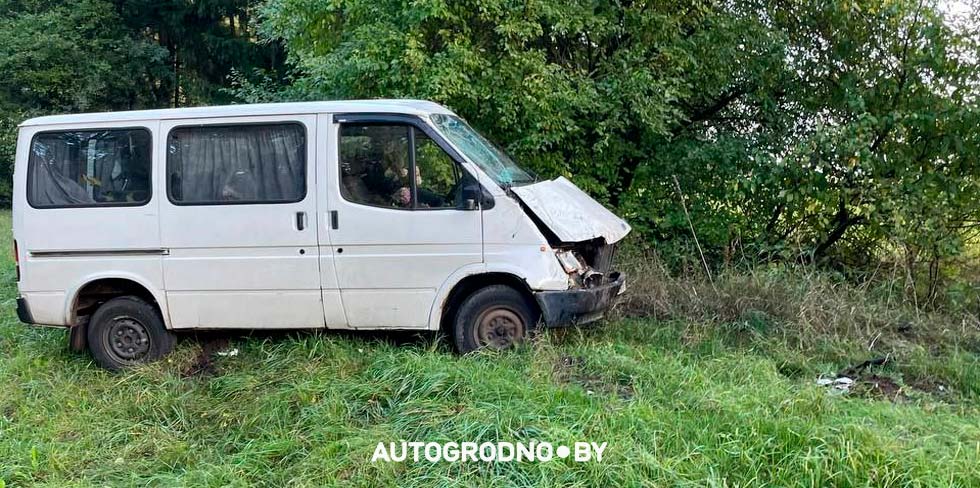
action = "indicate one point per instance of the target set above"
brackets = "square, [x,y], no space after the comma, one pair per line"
[380,214]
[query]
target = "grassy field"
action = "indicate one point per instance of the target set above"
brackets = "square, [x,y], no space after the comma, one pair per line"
[727,402]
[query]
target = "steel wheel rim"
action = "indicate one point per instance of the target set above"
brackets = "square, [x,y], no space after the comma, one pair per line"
[499,328]
[127,340]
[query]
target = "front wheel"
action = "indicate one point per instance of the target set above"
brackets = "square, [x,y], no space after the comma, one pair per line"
[127,331]
[495,317]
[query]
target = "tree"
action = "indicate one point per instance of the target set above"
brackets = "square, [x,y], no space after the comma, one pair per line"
[822,128]
[207,41]
[61,56]
[94,55]
[885,148]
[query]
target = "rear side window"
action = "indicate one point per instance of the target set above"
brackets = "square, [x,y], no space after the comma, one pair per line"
[229,164]
[89,168]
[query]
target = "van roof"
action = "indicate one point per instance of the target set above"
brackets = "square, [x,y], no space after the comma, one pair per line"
[412,107]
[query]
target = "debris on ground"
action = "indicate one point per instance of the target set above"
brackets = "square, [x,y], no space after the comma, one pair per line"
[574,370]
[862,379]
[837,385]
[203,365]
[877,386]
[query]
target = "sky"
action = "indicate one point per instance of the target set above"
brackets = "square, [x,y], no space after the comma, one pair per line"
[959,9]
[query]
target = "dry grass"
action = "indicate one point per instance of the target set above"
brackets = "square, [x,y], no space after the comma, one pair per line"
[814,313]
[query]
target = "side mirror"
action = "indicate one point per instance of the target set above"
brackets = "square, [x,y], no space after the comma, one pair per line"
[472,196]
[468,197]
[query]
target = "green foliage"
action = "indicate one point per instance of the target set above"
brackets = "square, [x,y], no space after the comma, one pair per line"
[887,149]
[522,72]
[833,128]
[434,167]
[206,41]
[64,57]
[8,145]
[95,55]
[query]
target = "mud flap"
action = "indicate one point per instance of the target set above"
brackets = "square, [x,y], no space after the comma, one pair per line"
[77,336]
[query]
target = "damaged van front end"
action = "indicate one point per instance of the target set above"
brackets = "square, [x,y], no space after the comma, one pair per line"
[550,235]
[583,235]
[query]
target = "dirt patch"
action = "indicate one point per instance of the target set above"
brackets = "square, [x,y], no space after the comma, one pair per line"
[880,387]
[868,383]
[204,365]
[932,387]
[575,370]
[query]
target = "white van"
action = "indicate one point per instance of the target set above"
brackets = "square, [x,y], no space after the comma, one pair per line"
[380,214]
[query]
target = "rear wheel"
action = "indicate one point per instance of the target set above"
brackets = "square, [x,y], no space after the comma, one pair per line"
[495,317]
[127,331]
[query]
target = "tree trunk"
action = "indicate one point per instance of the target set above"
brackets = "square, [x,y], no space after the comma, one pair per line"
[844,222]
[176,77]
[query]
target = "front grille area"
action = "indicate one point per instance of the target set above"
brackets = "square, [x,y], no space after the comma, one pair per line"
[603,258]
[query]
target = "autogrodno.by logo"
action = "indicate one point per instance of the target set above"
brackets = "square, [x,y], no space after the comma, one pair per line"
[455,452]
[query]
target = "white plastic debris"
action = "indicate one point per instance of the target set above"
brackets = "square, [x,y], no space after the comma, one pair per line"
[837,385]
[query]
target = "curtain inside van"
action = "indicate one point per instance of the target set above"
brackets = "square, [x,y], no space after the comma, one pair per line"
[85,168]
[51,181]
[250,163]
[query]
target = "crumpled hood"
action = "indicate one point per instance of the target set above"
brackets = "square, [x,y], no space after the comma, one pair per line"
[570,212]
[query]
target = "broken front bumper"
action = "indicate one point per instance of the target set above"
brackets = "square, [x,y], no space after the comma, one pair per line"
[579,306]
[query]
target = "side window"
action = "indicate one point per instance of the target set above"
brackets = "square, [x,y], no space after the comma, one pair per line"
[376,161]
[90,168]
[227,164]
[437,175]
[374,165]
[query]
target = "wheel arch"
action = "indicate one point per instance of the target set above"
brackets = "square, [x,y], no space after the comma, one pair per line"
[451,297]
[88,293]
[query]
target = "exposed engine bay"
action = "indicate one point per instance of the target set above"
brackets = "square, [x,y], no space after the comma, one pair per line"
[582,231]
[587,263]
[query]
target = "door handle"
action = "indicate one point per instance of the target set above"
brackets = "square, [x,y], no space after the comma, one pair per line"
[334,220]
[300,220]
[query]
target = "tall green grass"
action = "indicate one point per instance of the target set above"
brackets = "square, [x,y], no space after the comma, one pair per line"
[689,399]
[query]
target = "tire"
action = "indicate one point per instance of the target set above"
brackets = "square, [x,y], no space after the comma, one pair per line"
[495,317]
[138,330]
